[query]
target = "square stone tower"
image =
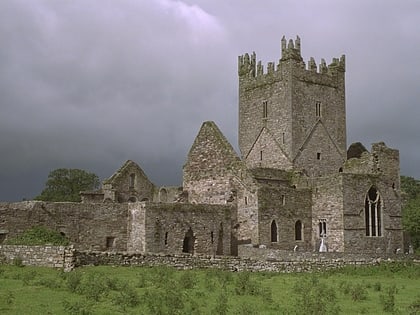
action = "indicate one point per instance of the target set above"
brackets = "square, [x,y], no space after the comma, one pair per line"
[292,116]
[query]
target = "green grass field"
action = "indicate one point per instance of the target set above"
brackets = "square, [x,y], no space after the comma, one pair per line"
[386,289]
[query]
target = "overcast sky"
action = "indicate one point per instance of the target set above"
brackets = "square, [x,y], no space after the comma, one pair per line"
[91,83]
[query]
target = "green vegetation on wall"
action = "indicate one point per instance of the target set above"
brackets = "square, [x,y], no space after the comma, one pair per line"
[38,235]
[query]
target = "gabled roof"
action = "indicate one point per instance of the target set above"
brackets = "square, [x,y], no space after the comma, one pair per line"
[122,170]
[267,134]
[210,143]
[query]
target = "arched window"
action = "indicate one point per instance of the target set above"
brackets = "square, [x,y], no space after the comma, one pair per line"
[274,237]
[373,213]
[298,230]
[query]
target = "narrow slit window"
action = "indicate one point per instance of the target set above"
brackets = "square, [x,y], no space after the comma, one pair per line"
[318,109]
[318,156]
[265,109]
[261,155]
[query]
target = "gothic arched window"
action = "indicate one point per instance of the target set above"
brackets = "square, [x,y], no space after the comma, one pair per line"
[373,213]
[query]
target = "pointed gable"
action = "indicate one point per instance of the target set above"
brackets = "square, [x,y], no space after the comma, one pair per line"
[128,183]
[267,153]
[319,154]
[211,153]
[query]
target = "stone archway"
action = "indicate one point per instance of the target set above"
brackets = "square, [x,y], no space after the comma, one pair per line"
[189,240]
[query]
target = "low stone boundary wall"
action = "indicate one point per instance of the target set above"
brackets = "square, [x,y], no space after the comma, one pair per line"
[314,263]
[46,256]
[262,259]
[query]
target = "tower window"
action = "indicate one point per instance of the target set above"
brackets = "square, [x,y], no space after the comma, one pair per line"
[318,156]
[283,138]
[265,109]
[318,109]
[261,155]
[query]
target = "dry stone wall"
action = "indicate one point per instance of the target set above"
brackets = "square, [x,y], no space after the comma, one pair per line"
[45,256]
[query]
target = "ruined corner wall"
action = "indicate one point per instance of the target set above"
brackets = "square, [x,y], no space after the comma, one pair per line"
[163,227]
[378,169]
[356,187]
[97,226]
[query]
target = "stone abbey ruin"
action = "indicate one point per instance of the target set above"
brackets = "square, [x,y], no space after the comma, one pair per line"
[294,187]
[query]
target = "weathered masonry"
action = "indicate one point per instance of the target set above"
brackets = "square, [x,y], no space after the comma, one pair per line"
[294,187]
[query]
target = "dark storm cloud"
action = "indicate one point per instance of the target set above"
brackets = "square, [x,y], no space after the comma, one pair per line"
[89,84]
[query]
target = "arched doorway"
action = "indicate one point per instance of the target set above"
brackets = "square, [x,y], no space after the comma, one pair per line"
[189,240]
[274,237]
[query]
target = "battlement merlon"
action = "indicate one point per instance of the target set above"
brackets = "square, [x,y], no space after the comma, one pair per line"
[247,65]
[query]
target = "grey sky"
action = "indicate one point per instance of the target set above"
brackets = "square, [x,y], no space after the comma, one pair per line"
[91,83]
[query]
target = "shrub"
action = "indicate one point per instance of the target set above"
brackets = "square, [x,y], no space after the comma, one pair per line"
[221,303]
[358,293]
[187,280]
[39,235]
[414,307]
[73,280]
[314,297]
[78,307]
[93,286]
[377,286]
[388,299]
[127,296]
[18,262]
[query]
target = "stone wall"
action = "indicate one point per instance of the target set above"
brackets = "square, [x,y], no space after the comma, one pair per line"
[97,226]
[290,262]
[45,256]
[178,227]
[254,259]
[285,217]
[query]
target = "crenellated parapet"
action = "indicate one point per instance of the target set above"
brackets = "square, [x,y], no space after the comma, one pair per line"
[253,71]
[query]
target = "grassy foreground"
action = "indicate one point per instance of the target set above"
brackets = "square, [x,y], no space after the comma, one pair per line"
[390,288]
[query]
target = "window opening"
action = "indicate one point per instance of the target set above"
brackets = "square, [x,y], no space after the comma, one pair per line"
[322,228]
[373,215]
[298,230]
[274,237]
[283,140]
[246,200]
[318,156]
[212,237]
[265,109]
[110,242]
[166,238]
[132,180]
[318,109]
[261,155]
